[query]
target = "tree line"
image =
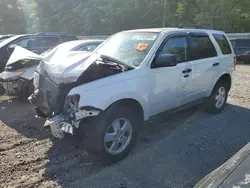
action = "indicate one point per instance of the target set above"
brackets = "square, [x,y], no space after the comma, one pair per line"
[105,17]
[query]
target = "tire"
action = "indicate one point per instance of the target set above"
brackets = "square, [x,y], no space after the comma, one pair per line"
[220,93]
[26,90]
[104,124]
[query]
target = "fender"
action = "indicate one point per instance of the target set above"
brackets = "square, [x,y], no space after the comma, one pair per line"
[103,97]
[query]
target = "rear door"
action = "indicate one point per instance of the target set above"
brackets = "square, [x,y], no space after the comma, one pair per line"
[225,55]
[205,63]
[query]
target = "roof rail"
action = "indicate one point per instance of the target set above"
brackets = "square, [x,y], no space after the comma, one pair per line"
[51,33]
[193,27]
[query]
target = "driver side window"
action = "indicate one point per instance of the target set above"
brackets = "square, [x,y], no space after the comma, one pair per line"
[177,46]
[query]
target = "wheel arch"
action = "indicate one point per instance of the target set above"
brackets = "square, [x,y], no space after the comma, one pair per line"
[129,103]
[226,78]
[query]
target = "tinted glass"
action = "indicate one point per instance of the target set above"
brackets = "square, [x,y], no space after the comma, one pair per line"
[223,43]
[177,46]
[241,43]
[48,42]
[88,47]
[23,43]
[202,47]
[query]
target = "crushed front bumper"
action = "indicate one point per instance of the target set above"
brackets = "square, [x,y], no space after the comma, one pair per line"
[59,125]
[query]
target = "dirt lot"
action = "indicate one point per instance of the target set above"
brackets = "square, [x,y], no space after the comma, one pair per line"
[173,150]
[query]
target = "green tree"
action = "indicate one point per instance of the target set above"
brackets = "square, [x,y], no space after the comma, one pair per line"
[11,17]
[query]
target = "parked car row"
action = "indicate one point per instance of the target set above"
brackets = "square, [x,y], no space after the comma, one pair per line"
[105,92]
[105,95]
[17,77]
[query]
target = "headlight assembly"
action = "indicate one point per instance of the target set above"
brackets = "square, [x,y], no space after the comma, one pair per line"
[11,75]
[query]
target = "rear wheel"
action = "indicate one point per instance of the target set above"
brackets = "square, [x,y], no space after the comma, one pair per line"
[113,134]
[217,101]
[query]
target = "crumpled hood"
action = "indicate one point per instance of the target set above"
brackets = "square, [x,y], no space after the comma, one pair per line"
[67,67]
[20,53]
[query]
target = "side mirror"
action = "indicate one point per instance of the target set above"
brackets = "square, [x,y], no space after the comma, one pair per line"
[165,60]
[11,47]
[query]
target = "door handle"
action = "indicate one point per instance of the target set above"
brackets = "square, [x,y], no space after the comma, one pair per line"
[216,64]
[187,71]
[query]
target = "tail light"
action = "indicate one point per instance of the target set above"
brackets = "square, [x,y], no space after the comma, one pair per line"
[235,62]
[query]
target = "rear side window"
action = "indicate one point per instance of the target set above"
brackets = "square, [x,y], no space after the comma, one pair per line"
[48,42]
[202,47]
[68,38]
[223,43]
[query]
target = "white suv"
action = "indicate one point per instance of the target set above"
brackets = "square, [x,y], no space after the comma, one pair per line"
[131,77]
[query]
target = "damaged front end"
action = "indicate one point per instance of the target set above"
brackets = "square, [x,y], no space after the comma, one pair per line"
[18,72]
[51,97]
[15,77]
[70,118]
[63,113]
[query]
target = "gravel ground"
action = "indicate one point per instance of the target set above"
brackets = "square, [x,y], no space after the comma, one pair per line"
[174,150]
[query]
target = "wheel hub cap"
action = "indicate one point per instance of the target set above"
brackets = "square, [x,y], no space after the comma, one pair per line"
[220,97]
[118,136]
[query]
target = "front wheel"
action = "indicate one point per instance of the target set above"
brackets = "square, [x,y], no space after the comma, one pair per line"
[217,101]
[113,135]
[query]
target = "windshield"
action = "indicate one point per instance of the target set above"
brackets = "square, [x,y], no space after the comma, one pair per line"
[6,41]
[129,47]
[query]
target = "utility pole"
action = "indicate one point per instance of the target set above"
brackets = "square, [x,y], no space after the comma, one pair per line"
[164,13]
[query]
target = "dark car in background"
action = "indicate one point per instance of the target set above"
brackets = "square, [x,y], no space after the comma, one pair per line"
[37,43]
[242,50]
[3,37]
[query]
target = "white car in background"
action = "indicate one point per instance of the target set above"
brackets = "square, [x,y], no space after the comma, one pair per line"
[130,78]
[17,77]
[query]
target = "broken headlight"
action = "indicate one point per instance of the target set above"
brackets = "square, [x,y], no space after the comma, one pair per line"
[10,75]
[71,104]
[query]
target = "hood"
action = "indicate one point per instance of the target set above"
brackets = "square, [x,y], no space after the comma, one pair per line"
[21,54]
[67,67]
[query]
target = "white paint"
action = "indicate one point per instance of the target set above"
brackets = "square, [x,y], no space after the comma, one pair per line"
[157,90]
[20,54]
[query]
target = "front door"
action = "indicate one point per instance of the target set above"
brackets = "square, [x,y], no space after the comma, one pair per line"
[171,86]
